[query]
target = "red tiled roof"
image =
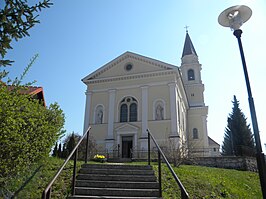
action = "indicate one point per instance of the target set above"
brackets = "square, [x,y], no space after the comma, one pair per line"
[31,90]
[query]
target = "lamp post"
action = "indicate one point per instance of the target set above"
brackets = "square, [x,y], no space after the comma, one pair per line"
[234,17]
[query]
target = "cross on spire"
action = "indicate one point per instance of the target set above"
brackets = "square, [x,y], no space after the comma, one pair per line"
[186,27]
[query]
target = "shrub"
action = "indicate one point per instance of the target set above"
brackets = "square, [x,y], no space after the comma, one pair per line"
[28,130]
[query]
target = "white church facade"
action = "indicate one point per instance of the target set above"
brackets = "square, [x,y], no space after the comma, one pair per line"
[133,93]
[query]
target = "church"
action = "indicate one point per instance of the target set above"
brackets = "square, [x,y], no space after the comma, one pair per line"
[133,93]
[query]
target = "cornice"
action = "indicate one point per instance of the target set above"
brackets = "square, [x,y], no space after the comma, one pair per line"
[140,86]
[130,77]
[198,108]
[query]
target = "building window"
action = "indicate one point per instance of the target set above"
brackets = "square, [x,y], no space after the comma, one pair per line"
[123,113]
[128,110]
[159,110]
[191,75]
[128,67]
[133,112]
[195,134]
[214,149]
[98,117]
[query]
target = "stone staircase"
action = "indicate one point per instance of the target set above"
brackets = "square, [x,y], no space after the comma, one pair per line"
[116,181]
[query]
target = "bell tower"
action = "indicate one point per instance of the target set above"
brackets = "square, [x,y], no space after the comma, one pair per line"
[191,73]
[197,112]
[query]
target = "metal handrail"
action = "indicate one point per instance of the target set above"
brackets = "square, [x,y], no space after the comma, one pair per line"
[47,192]
[184,194]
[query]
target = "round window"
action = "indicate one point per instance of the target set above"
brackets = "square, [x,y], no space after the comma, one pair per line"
[128,67]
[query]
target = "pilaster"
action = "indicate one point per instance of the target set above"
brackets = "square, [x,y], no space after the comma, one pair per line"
[144,118]
[87,111]
[110,131]
[173,108]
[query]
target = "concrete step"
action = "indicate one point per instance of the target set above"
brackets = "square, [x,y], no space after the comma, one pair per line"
[116,184]
[120,181]
[117,166]
[116,192]
[119,160]
[107,177]
[109,197]
[116,171]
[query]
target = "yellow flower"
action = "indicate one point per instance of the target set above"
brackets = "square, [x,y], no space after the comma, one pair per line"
[97,156]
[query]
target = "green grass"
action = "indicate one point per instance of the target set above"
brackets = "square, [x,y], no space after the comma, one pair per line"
[35,187]
[200,182]
[206,182]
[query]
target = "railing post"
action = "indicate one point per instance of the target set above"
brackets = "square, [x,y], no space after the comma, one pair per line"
[74,172]
[43,195]
[149,148]
[183,194]
[118,150]
[87,148]
[159,174]
[107,154]
[46,195]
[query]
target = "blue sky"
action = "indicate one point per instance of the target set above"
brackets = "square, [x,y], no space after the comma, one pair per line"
[75,38]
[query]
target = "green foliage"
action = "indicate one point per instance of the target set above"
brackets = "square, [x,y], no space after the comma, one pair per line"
[55,151]
[17,81]
[16,18]
[69,144]
[206,182]
[28,130]
[238,138]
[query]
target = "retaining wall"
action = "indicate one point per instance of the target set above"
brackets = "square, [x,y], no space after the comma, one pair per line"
[228,162]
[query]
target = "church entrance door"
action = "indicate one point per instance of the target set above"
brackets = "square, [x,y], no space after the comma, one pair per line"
[127,144]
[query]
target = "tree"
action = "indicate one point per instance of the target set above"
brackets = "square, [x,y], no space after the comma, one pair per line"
[28,130]
[64,152]
[16,18]
[70,145]
[238,138]
[72,139]
[60,150]
[55,150]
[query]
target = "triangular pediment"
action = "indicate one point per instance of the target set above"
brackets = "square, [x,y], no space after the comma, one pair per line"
[120,67]
[127,128]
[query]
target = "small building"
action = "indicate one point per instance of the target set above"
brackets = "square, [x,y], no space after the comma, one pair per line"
[34,91]
[214,148]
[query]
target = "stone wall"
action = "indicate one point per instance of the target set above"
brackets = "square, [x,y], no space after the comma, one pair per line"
[228,162]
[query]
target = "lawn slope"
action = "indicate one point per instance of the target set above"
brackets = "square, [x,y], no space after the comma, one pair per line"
[200,182]
[206,182]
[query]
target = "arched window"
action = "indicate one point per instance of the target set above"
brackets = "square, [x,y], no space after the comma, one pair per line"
[195,134]
[133,112]
[159,110]
[190,75]
[123,113]
[128,110]
[98,117]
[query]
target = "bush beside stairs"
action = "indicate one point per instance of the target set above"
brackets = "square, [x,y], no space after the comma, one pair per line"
[116,181]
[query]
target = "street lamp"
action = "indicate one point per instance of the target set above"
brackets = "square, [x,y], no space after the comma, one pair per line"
[234,17]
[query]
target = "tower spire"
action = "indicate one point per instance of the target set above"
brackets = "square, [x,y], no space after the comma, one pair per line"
[188,46]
